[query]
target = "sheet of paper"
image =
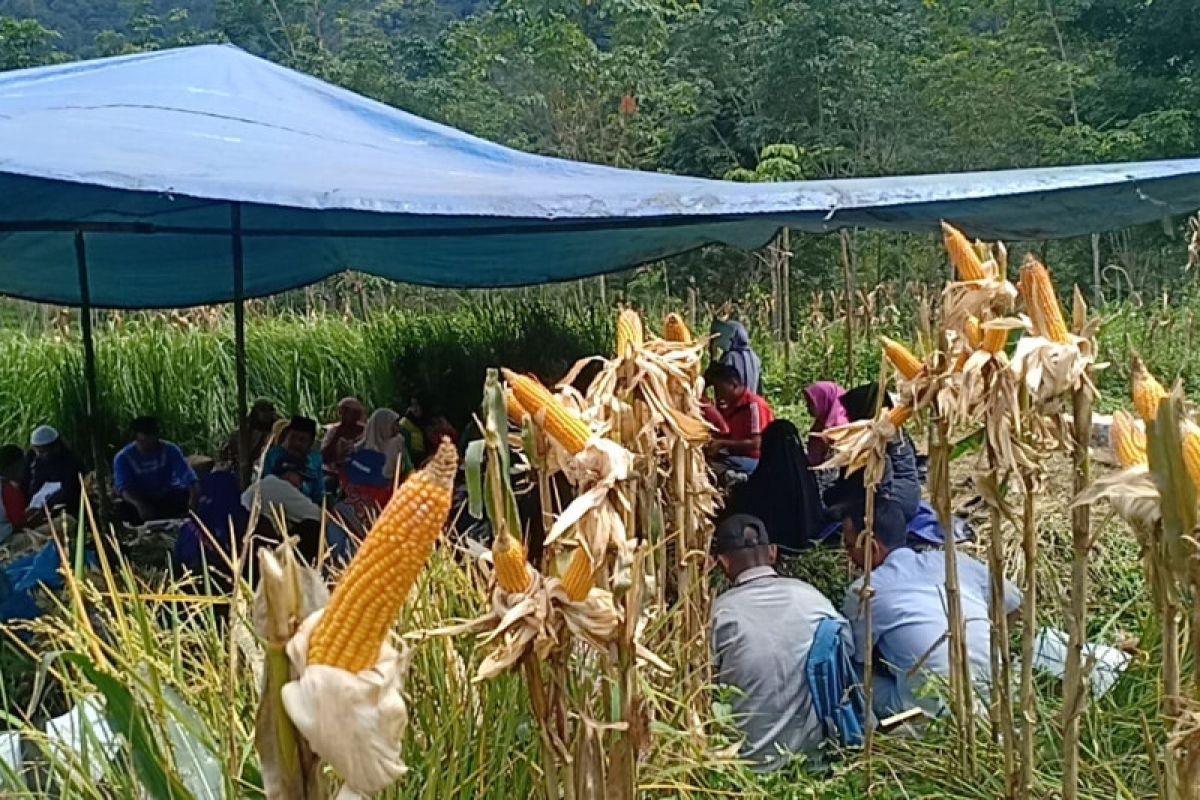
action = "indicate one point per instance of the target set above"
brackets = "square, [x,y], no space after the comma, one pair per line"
[43,494]
[1050,655]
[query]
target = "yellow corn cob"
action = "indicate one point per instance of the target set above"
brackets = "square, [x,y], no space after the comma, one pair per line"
[371,592]
[902,358]
[1128,440]
[675,329]
[1191,451]
[630,335]
[994,339]
[516,411]
[1147,391]
[962,254]
[560,424]
[973,333]
[577,580]
[512,570]
[900,415]
[1041,301]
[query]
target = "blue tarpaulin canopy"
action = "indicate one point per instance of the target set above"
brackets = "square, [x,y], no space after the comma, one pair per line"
[148,155]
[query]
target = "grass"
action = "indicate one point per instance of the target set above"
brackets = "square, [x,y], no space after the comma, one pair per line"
[183,372]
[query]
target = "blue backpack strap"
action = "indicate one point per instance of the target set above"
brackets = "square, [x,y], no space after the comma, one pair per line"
[833,685]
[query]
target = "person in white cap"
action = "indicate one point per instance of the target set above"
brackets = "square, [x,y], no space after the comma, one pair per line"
[50,461]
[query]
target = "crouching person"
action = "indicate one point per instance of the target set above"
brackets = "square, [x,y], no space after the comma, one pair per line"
[281,495]
[783,648]
[908,613]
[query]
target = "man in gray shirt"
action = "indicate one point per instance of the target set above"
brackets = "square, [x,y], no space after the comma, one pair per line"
[763,628]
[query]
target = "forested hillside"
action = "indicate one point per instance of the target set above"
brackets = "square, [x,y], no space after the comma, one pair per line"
[853,87]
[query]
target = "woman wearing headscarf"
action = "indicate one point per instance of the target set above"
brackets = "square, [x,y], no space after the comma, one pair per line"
[342,437]
[782,491]
[824,401]
[742,357]
[383,435]
[370,473]
[260,421]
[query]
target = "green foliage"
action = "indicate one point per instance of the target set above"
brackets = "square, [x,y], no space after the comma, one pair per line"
[855,87]
[25,43]
[185,374]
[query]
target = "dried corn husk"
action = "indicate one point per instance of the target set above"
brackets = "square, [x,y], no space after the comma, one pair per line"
[354,721]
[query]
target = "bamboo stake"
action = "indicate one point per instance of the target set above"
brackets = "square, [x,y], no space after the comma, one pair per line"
[786,284]
[848,272]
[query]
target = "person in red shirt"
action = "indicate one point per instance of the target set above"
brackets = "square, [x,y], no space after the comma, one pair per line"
[746,416]
[13,516]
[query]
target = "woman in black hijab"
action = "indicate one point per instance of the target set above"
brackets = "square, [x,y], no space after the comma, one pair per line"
[782,491]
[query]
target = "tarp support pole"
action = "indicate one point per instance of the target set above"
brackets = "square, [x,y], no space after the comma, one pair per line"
[239,341]
[91,393]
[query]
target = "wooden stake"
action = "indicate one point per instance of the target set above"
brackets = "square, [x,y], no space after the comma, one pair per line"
[848,272]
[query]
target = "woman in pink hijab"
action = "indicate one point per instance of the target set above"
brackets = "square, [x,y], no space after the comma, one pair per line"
[824,401]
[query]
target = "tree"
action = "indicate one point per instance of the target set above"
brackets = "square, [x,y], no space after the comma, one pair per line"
[26,43]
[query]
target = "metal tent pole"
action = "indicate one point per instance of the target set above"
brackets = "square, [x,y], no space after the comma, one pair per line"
[239,341]
[91,394]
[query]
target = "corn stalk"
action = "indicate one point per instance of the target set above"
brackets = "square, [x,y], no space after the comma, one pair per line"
[1175,556]
[962,705]
[1074,683]
[867,593]
[1001,701]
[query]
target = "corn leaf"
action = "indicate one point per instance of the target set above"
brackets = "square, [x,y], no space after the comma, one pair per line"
[473,463]
[1164,445]
[127,718]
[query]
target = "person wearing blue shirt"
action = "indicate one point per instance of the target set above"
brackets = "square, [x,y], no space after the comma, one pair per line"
[297,445]
[908,613]
[152,477]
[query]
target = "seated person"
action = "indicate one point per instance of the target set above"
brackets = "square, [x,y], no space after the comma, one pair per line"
[280,494]
[824,402]
[259,422]
[713,417]
[746,416]
[782,492]
[52,472]
[13,516]
[423,427]
[762,632]
[342,437]
[908,612]
[901,481]
[741,356]
[383,435]
[297,445]
[153,479]
[208,543]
